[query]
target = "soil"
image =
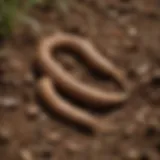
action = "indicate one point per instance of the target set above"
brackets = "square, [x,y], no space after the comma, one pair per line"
[125,31]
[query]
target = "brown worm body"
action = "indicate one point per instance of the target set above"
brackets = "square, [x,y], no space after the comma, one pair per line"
[73,87]
[64,108]
[93,58]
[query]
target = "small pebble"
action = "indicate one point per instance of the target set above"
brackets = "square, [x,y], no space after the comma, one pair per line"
[132,31]
[32,111]
[142,114]
[43,117]
[9,102]
[141,68]
[54,137]
[26,154]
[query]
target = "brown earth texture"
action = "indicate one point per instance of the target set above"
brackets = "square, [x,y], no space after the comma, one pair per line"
[127,32]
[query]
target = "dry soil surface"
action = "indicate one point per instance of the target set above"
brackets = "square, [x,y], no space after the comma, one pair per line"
[125,31]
